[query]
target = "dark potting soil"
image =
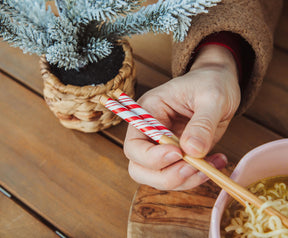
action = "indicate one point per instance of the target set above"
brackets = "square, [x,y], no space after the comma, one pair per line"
[93,73]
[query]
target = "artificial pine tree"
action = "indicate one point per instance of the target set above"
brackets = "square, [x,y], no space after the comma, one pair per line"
[81,41]
[86,30]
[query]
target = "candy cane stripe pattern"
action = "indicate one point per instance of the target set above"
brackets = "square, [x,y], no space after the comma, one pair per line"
[129,103]
[133,119]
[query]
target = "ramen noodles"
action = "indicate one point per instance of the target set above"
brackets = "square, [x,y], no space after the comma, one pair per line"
[250,222]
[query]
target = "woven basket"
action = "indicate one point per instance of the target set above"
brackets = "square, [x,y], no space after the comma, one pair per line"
[78,107]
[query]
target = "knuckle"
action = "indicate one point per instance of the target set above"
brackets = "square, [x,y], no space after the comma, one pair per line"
[146,99]
[144,158]
[132,172]
[127,150]
[154,157]
[169,184]
[215,96]
[152,164]
[165,186]
[205,124]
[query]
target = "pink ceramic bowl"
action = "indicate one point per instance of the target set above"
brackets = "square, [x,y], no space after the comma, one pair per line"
[267,160]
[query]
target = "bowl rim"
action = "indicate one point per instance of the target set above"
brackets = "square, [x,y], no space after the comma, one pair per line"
[224,197]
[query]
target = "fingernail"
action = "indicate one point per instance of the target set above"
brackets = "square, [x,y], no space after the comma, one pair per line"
[197,144]
[220,162]
[173,156]
[186,171]
[202,175]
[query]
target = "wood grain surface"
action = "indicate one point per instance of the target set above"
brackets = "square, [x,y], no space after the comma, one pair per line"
[76,181]
[17,221]
[159,214]
[79,182]
[191,209]
[173,213]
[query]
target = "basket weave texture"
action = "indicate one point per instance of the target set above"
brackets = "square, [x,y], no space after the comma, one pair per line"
[79,107]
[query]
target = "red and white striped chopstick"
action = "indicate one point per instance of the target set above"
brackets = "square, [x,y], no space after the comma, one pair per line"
[138,117]
[132,118]
[133,106]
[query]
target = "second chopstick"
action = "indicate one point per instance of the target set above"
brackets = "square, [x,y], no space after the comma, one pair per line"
[238,192]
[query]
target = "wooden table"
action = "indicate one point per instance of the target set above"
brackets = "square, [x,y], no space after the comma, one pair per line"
[57,182]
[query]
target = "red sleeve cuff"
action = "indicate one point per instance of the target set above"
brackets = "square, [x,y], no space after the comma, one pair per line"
[231,41]
[233,51]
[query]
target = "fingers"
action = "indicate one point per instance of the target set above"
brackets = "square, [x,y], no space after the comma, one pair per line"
[178,176]
[219,161]
[139,149]
[199,133]
[165,179]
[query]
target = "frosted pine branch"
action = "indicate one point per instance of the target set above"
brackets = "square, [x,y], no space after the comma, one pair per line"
[64,55]
[24,24]
[162,17]
[63,30]
[100,10]
[27,39]
[86,30]
[98,49]
[33,13]
[7,30]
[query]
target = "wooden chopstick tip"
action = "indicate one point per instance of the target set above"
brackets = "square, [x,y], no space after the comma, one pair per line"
[102,99]
[117,93]
[169,140]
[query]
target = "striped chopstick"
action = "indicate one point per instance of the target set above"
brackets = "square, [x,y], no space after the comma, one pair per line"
[131,112]
[132,118]
[133,106]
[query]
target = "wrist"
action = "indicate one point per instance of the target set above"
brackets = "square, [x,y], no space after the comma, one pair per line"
[215,56]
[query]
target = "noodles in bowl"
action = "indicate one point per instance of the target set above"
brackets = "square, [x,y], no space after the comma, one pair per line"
[250,222]
[258,165]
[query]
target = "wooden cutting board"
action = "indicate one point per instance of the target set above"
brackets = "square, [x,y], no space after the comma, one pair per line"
[159,214]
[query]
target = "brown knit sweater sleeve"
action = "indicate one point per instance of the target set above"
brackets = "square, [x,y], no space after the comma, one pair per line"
[253,20]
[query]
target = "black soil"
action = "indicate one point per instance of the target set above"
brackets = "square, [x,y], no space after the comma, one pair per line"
[94,73]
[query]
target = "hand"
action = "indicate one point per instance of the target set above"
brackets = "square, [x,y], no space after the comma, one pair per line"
[197,107]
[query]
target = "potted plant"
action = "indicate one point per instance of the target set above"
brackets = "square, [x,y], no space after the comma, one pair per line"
[84,51]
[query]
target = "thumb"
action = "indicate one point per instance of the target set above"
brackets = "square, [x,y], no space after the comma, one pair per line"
[197,137]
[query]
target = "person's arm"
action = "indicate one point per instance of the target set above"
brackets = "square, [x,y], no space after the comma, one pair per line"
[197,107]
[253,21]
[198,104]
